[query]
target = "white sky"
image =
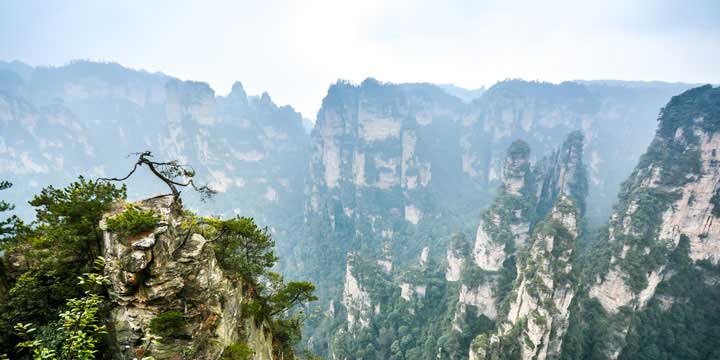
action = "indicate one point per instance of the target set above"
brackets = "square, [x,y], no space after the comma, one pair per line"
[296,49]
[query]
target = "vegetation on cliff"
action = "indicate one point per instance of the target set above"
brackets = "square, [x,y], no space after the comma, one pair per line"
[48,314]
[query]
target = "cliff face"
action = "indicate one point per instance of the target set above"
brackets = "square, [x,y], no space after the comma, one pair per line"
[386,156]
[169,268]
[504,279]
[379,155]
[538,305]
[664,226]
[541,114]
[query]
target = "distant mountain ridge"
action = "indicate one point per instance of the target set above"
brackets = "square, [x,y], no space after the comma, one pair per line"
[85,118]
[387,174]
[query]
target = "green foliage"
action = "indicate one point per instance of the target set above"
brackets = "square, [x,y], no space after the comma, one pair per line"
[132,221]
[170,324]
[645,251]
[68,218]
[681,322]
[241,247]
[59,247]
[701,102]
[292,293]
[237,351]
[245,251]
[81,324]
[7,225]
[519,150]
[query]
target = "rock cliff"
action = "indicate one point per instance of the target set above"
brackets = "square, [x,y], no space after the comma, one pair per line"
[663,229]
[170,268]
[504,279]
[538,308]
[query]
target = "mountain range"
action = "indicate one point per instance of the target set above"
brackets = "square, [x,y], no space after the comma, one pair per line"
[523,220]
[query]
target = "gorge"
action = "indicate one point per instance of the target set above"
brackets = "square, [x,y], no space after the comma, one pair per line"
[528,220]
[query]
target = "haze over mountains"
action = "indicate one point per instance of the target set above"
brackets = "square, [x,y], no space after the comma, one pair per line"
[414,204]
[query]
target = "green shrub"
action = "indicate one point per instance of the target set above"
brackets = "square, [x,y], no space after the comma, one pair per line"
[132,221]
[238,351]
[168,324]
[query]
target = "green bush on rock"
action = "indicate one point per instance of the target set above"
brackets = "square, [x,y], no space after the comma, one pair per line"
[237,351]
[132,221]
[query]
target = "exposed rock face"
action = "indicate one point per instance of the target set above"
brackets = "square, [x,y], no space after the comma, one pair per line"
[537,262]
[562,174]
[670,195]
[372,169]
[456,256]
[539,309]
[477,280]
[481,297]
[542,114]
[357,301]
[382,152]
[169,268]
[507,216]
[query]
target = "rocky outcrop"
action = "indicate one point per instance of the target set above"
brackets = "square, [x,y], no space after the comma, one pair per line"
[541,114]
[539,303]
[458,254]
[356,300]
[562,174]
[506,224]
[536,268]
[671,194]
[170,268]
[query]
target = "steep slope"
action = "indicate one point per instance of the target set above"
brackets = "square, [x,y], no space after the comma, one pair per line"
[539,303]
[85,118]
[662,235]
[385,311]
[395,168]
[542,113]
[383,158]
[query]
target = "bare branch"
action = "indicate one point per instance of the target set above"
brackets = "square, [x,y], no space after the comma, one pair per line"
[167,172]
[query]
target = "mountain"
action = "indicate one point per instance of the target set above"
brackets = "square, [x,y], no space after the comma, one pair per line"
[396,168]
[651,278]
[529,289]
[465,293]
[391,203]
[85,118]
[466,95]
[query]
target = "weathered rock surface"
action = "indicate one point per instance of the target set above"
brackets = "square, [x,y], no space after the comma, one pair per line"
[356,300]
[670,194]
[172,268]
[539,309]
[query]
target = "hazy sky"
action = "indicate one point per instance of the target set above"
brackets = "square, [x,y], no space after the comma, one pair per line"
[295,49]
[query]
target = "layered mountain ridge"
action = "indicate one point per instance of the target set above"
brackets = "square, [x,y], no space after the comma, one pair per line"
[377,204]
[85,118]
[464,294]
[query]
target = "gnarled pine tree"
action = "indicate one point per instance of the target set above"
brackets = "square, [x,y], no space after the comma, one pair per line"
[172,173]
